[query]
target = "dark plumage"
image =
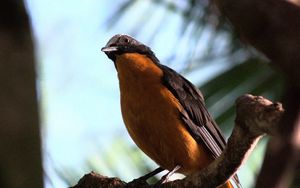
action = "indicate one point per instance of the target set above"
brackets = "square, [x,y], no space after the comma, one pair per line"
[194,115]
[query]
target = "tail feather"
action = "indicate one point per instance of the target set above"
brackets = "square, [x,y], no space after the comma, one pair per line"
[226,185]
[237,181]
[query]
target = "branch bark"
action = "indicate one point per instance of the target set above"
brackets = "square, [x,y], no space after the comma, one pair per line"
[283,153]
[273,27]
[256,116]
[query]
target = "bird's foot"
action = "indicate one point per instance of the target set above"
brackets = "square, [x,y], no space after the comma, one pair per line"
[166,177]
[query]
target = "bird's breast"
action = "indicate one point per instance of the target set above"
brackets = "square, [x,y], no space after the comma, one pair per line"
[151,114]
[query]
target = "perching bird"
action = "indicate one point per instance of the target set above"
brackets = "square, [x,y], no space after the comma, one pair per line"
[163,112]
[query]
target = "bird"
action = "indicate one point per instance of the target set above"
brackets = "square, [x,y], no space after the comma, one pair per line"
[163,112]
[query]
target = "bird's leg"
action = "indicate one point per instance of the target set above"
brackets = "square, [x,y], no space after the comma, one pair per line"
[166,177]
[143,179]
[151,174]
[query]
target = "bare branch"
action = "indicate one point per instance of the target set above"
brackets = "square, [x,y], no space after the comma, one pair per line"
[273,27]
[256,116]
[93,180]
[283,152]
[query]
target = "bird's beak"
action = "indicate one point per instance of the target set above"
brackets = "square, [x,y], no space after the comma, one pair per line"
[109,49]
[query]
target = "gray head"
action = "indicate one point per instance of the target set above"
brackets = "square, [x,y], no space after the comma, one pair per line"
[122,43]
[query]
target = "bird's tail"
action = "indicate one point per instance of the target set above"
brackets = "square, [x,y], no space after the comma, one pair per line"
[237,181]
[226,185]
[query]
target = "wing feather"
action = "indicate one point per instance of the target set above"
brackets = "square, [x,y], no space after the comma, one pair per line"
[198,121]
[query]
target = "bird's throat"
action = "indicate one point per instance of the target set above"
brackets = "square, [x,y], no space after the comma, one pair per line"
[137,66]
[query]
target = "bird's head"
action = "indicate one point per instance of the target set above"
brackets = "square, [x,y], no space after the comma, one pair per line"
[121,43]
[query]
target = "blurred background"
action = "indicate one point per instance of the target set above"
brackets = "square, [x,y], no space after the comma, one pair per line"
[82,128]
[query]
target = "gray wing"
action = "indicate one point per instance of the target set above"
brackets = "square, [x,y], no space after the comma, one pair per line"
[197,119]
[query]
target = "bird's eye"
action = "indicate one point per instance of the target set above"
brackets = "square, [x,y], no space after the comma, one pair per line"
[126,40]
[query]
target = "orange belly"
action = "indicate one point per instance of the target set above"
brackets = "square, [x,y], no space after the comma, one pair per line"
[152,116]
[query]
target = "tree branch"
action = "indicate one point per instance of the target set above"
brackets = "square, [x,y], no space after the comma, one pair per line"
[273,27]
[93,180]
[256,116]
[283,153]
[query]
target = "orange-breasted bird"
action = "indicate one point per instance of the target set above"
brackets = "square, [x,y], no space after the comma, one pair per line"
[163,112]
